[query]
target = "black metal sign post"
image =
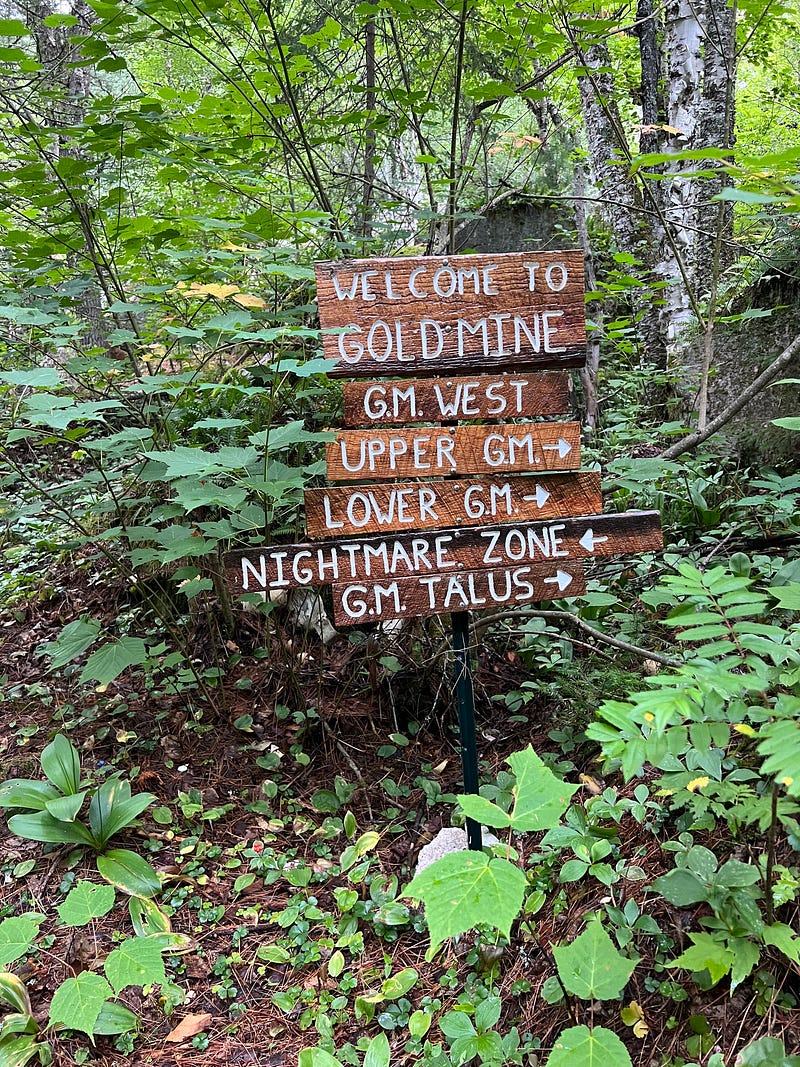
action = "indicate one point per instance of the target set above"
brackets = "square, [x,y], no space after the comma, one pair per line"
[465,702]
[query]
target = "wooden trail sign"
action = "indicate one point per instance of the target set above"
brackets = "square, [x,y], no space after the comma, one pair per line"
[357,455]
[265,570]
[504,396]
[457,314]
[488,520]
[435,594]
[368,509]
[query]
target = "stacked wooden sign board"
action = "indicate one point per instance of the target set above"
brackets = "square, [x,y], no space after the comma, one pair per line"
[440,499]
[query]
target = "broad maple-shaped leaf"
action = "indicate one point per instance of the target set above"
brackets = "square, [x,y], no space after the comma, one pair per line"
[540,797]
[706,954]
[465,890]
[137,961]
[591,967]
[85,902]
[110,660]
[16,937]
[581,1047]
[77,1002]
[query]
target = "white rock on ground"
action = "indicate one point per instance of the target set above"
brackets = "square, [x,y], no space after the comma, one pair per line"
[450,839]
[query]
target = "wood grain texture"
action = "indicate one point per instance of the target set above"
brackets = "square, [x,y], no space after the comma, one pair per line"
[257,570]
[504,396]
[408,506]
[457,314]
[361,455]
[438,594]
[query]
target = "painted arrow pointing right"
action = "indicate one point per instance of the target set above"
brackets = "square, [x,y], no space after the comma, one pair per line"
[588,541]
[562,580]
[541,496]
[562,447]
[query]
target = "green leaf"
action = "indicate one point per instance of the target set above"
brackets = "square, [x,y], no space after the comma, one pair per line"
[41,826]
[72,642]
[85,902]
[377,1054]
[14,993]
[137,961]
[77,1002]
[13,28]
[61,765]
[26,793]
[791,422]
[706,954]
[317,1057]
[19,1051]
[397,985]
[114,1019]
[17,934]
[113,808]
[788,596]
[540,797]
[65,809]
[129,872]
[681,887]
[766,1052]
[147,918]
[456,1025]
[487,1013]
[581,1047]
[784,939]
[591,967]
[40,378]
[745,957]
[110,660]
[467,889]
[483,811]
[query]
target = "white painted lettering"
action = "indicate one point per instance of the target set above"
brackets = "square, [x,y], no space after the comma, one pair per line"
[549,331]
[330,522]
[534,339]
[366,292]
[350,350]
[450,281]
[380,348]
[259,576]
[444,453]
[489,284]
[555,285]
[412,283]
[427,498]
[423,333]
[375,406]
[341,292]
[352,601]
[531,268]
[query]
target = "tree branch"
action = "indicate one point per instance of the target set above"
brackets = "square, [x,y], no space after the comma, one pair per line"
[573,620]
[762,381]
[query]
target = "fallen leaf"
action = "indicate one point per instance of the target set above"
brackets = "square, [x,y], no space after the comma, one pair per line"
[189,1026]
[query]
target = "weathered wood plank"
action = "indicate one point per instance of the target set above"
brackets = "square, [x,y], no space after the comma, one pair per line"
[438,594]
[432,315]
[504,396]
[356,455]
[407,506]
[517,544]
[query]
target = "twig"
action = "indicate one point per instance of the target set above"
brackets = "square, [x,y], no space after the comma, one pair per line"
[573,620]
[762,381]
[351,764]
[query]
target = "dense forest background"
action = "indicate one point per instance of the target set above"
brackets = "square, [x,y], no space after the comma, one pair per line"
[169,173]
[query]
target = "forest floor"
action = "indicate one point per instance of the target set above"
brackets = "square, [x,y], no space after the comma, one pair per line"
[258,786]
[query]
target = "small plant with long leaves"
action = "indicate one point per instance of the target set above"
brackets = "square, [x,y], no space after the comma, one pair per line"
[48,812]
